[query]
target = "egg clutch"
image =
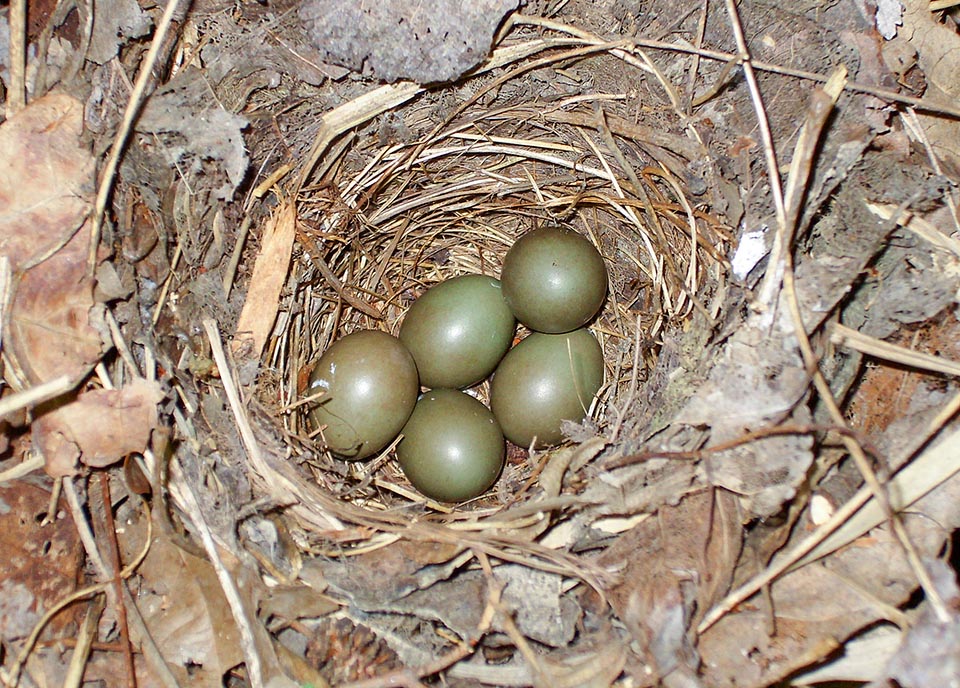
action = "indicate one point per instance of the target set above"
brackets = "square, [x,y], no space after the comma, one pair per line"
[454,336]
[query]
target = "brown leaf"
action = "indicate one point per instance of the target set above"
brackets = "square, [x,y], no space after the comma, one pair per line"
[39,563]
[100,427]
[188,616]
[818,606]
[43,231]
[269,272]
[938,51]
[673,566]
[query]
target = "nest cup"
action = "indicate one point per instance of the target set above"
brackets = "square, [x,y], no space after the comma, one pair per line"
[394,218]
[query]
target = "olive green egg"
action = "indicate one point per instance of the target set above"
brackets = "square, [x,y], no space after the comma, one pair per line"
[370,386]
[554,280]
[452,447]
[458,331]
[544,380]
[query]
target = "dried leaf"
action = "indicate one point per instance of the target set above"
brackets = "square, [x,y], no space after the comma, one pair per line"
[930,654]
[817,607]
[860,660]
[99,428]
[762,371]
[397,39]
[39,565]
[674,566]
[195,133]
[291,602]
[43,223]
[114,23]
[372,581]
[188,616]
[540,610]
[938,53]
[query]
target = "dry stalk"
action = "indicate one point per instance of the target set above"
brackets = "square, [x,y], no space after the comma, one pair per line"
[731,58]
[893,353]
[17,95]
[799,174]
[130,113]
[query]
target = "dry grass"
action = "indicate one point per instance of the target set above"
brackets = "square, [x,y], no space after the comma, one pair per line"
[453,203]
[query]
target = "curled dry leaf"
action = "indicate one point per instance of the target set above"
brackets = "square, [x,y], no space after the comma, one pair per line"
[671,572]
[187,614]
[100,427]
[811,610]
[938,54]
[43,231]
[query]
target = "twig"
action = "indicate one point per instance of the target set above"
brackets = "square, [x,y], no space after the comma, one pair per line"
[745,438]
[38,394]
[720,56]
[114,552]
[191,505]
[695,62]
[25,467]
[85,638]
[313,253]
[231,271]
[130,114]
[865,344]
[83,529]
[773,169]
[17,95]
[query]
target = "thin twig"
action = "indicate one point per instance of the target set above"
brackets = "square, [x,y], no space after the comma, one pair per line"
[130,114]
[925,105]
[38,394]
[191,505]
[115,564]
[17,95]
[85,639]
[763,123]
[33,461]
[865,344]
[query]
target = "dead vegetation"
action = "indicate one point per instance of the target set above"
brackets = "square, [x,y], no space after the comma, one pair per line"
[198,200]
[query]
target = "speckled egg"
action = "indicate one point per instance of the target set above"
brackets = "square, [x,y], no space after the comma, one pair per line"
[370,387]
[452,447]
[458,331]
[554,280]
[543,380]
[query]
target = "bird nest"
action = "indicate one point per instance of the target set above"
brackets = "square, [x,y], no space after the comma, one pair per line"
[452,203]
[441,187]
[740,434]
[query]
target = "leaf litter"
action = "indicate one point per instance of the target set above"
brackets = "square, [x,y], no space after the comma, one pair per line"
[710,526]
